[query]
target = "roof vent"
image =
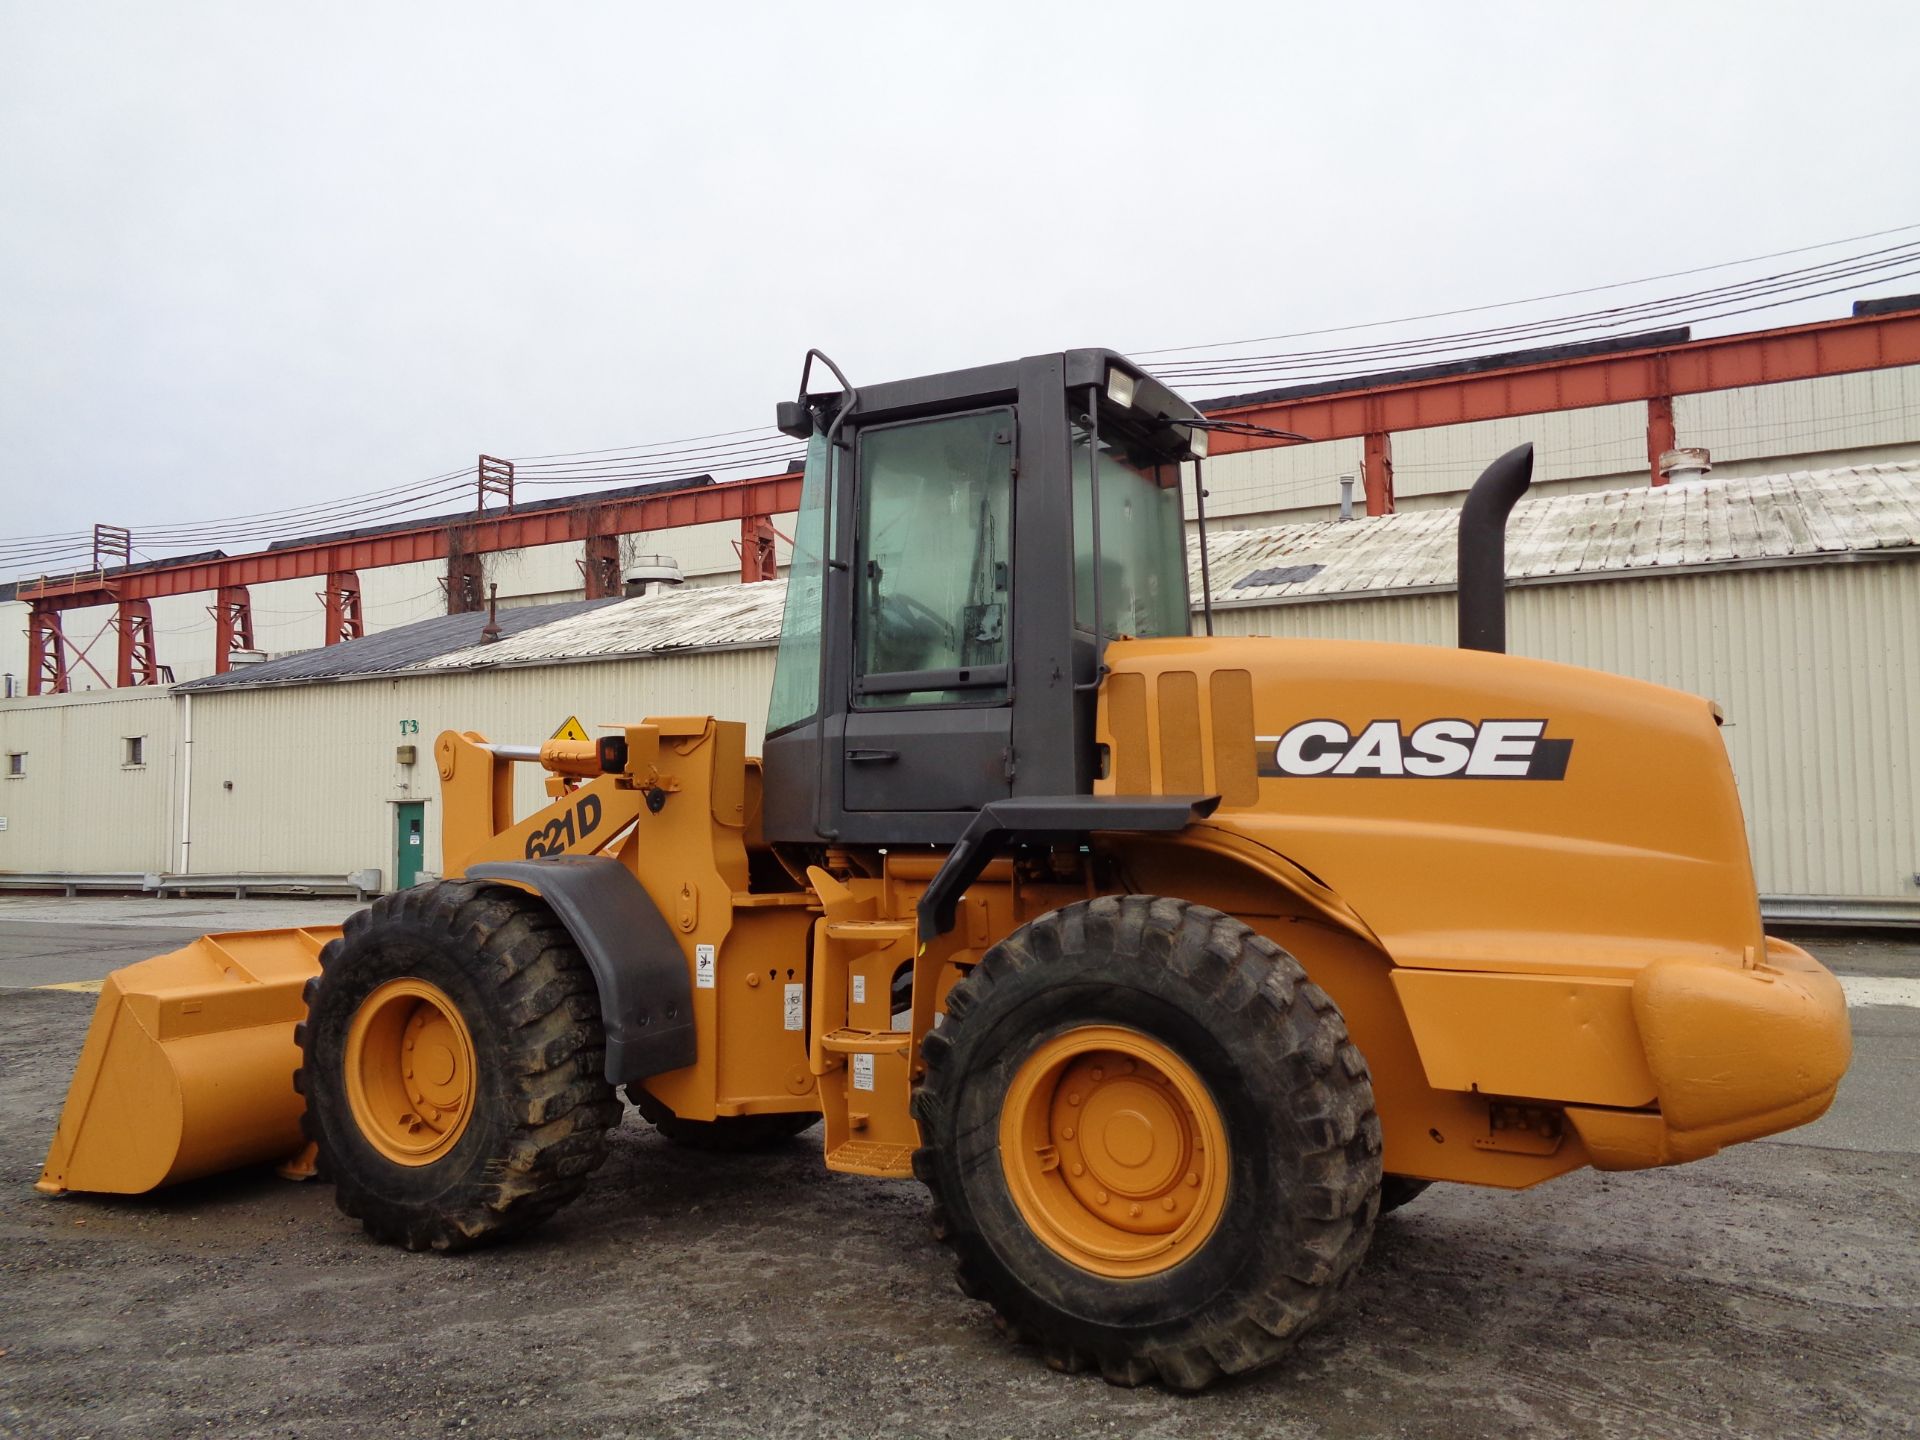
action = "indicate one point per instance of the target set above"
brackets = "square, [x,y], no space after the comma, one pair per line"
[1682,466]
[652,570]
[237,658]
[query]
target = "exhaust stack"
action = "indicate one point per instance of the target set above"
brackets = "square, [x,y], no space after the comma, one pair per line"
[1483,549]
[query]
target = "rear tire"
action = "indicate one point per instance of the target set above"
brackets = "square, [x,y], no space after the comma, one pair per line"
[488,984]
[726,1134]
[1221,1047]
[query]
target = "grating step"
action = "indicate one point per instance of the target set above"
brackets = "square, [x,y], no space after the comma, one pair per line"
[872,1157]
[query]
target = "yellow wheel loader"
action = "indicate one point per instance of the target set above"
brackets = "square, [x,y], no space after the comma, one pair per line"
[1166,962]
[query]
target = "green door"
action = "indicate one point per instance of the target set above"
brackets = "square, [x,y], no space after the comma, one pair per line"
[409,823]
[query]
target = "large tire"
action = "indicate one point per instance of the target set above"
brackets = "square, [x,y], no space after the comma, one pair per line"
[488,979]
[726,1134]
[1211,1004]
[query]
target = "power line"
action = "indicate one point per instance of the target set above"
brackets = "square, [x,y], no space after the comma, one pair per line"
[727,451]
[1533,299]
[1871,267]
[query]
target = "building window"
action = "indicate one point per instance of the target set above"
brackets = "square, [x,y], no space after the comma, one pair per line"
[16,764]
[136,750]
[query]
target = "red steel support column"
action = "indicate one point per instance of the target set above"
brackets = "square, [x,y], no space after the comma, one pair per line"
[600,565]
[1379,472]
[757,558]
[342,596]
[466,581]
[46,652]
[1660,436]
[138,664]
[232,625]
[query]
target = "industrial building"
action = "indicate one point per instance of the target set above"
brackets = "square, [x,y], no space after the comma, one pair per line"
[1792,599]
[1835,394]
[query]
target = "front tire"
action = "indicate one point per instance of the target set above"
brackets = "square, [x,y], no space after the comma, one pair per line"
[452,1060]
[1149,1140]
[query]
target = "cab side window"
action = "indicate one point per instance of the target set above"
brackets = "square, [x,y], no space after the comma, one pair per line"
[934,562]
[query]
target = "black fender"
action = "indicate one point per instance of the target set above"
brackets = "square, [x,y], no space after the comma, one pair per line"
[646,994]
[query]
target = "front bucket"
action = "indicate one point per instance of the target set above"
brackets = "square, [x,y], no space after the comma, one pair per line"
[187,1069]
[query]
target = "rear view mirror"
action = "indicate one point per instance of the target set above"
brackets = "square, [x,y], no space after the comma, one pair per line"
[793,417]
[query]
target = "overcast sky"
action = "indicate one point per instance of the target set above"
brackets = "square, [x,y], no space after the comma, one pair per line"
[255,255]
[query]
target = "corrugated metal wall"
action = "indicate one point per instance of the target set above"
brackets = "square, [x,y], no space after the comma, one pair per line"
[1817,668]
[312,768]
[80,806]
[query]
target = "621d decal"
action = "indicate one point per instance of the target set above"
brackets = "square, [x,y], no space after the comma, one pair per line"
[566,829]
[1432,750]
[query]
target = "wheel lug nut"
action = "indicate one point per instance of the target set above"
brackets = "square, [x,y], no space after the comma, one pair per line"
[1133,1210]
[1193,1179]
[1098,1073]
[1101,1196]
[1067,1134]
[1078,1168]
[1167,1204]
[1073,1097]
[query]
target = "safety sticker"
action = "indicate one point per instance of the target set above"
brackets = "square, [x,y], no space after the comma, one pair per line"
[859,989]
[796,1006]
[703,967]
[863,1072]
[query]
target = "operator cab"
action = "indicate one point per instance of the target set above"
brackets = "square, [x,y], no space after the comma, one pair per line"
[958,535]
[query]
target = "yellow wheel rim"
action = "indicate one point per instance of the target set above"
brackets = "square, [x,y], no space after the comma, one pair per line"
[1114,1151]
[410,1071]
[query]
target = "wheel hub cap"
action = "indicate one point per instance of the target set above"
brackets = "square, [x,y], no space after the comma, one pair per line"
[410,1071]
[1114,1151]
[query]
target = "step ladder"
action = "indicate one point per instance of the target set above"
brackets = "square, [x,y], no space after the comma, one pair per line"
[864,1066]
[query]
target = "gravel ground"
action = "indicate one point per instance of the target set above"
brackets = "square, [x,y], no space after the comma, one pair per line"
[1768,1291]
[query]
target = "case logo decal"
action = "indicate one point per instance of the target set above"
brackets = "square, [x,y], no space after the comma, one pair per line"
[1433,750]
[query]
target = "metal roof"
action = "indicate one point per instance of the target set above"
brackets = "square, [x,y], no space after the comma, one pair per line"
[1796,518]
[702,617]
[402,648]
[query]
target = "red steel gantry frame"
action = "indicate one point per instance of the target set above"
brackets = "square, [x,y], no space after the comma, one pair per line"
[1653,375]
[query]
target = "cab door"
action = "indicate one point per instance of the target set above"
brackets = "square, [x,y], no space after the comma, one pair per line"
[929,722]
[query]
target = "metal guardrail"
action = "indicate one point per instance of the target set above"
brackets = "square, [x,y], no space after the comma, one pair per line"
[72,883]
[358,883]
[1839,910]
